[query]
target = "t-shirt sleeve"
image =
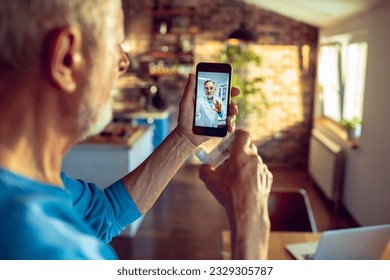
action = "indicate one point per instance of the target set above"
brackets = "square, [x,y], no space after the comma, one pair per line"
[107,211]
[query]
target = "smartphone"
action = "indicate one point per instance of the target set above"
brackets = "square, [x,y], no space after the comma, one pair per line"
[212,98]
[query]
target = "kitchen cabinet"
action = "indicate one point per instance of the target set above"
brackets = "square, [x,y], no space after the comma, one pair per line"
[159,121]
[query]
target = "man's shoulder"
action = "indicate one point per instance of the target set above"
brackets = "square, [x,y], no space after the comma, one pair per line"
[40,226]
[25,196]
[31,212]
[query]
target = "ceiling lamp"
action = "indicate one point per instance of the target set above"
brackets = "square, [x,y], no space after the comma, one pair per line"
[242,34]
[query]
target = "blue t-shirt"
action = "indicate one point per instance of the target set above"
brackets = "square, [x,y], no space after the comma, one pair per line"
[40,221]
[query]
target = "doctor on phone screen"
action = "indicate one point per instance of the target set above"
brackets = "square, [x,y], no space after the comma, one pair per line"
[209,107]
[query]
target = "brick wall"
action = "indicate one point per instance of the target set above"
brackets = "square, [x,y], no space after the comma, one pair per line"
[288,49]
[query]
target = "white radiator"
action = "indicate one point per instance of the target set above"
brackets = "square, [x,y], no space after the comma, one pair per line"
[326,165]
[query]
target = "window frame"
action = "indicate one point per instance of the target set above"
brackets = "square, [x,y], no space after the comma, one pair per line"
[344,41]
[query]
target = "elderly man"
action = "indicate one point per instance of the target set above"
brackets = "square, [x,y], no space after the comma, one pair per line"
[59,60]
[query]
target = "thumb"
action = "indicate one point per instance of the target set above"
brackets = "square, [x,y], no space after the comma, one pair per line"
[189,91]
[207,174]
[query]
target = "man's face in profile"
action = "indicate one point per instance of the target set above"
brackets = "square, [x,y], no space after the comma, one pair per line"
[209,89]
[101,74]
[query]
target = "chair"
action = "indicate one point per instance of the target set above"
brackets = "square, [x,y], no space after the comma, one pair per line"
[290,210]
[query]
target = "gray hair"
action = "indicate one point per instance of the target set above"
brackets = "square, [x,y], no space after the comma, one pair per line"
[209,81]
[25,25]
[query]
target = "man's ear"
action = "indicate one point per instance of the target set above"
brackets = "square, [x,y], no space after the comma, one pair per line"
[64,57]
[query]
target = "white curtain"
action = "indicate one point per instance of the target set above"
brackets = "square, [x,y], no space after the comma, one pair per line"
[355,77]
[329,80]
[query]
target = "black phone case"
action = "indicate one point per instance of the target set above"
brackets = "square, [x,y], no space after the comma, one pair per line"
[216,68]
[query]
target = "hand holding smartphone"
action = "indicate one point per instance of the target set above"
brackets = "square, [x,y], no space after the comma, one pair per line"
[212,98]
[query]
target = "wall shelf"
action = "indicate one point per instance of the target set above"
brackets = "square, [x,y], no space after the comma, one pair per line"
[172,40]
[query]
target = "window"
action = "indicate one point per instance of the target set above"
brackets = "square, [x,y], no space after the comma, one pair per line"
[341,79]
[329,78]
[355,77]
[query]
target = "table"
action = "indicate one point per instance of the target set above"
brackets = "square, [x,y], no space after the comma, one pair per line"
[278,241]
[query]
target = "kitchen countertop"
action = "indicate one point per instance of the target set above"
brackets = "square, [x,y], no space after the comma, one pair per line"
[118,134]
[160,114]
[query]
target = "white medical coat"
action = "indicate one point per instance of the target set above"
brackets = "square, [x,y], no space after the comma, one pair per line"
[205,115]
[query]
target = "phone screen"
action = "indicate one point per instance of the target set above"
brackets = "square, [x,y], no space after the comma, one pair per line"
[212,98]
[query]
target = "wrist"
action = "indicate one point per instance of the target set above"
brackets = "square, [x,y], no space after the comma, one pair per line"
[252,218]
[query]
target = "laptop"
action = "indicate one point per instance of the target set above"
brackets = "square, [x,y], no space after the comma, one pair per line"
[361,243]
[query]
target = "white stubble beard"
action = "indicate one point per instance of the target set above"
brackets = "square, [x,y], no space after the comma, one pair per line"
[92,119]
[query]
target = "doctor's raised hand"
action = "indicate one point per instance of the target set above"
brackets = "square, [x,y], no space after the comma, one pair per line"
[242,185]
[186,112]
[217,106]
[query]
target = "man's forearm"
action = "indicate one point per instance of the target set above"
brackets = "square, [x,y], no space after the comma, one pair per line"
[148,180]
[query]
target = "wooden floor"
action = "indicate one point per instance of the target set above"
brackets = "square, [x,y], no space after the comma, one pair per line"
[186,222]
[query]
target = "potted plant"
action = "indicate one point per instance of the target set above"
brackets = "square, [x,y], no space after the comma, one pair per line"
[240,57]
[352,127]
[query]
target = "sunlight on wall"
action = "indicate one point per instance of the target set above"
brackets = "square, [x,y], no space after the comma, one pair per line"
[207,50]
[282,87]
[305,56]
